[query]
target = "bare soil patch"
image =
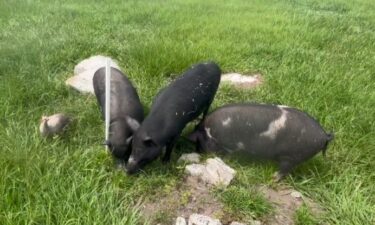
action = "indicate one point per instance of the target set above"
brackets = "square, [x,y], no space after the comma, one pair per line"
[193,196]
[189,197]
[286,204]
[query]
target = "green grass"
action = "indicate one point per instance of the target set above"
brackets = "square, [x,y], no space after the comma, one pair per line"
[304,217]
[244,203]
[317,56]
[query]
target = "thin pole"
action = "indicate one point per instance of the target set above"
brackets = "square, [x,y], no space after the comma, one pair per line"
[107,98]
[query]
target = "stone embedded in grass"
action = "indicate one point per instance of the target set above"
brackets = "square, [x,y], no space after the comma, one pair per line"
[236,223]
[296,194]
[198,219]
[253,222]
[190,158]
[84,72]
[180,221]
[213,172]
[242,81]
[54,124]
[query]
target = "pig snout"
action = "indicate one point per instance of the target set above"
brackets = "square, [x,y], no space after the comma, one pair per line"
[132,166]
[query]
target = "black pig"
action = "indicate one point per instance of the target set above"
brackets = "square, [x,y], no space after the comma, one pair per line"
[126,111]
[283,134]
[181,102]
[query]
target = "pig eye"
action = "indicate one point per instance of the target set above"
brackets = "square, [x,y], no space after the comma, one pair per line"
[149,142]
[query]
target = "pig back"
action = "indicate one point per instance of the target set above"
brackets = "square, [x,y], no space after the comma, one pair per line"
[186,97]
[267,131]
[237,127]
[124,97]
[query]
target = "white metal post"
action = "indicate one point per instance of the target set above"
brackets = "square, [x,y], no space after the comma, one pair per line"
[107,98]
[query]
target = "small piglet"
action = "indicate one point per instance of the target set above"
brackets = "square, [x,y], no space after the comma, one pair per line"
[181,102]
[285,135]
[126,111]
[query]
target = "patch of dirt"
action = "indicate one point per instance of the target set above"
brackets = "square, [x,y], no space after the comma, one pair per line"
[285,205]
[191,196]
[242,81]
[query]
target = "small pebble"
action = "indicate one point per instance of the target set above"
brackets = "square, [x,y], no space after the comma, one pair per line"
[296,194]
[180,221]
[198,219]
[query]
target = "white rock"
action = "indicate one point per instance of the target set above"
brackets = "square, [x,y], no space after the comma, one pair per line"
[214,172]
[84,72]
[242,81]
[252,222]
[93,63]
[197,219]
[296,194]
[190,158]
[54,124]
[195,170]
[82,82]
[180,221]
[218,172]
[237,223]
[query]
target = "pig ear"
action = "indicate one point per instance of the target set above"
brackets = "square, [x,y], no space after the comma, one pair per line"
[149,142]
[133,123]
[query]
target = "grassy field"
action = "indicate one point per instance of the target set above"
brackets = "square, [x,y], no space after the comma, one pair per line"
[314,55]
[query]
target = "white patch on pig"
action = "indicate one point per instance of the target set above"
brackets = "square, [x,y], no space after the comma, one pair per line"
[276,125]
[283,106]
[208,132]
[240,146]
[226,122]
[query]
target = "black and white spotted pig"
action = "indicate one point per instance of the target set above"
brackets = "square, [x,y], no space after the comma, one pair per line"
[285,135]
[181,102]
[126,111]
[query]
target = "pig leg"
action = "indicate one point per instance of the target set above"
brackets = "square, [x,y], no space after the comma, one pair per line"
[198,147]
[285,166]
[200,120]
[205,111]
[168,149]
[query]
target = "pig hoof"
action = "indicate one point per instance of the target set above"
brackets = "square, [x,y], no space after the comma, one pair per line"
[166,160]
[277,177]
